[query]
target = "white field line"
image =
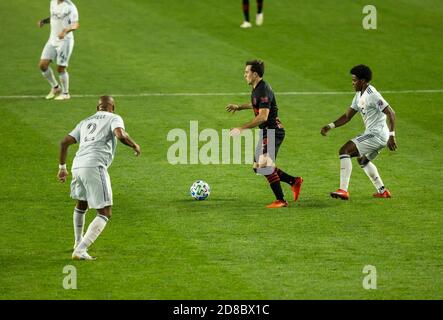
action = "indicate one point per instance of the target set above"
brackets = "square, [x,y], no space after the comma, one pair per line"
[214,94]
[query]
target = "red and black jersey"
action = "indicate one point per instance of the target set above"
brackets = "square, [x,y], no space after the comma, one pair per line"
[263,97]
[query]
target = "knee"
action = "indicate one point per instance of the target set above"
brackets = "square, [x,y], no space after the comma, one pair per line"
[43,66]
[363,161]
[343,150]
[82,205]
[61,69]
[106,211]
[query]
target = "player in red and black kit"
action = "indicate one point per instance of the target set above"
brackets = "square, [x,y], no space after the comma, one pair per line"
[272,133]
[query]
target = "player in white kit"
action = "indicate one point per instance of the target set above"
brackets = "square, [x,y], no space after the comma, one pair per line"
[63,20]
[91,185]
[374,111]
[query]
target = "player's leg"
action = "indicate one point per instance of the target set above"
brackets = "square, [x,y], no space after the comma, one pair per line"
[346,152]
[49,54]
[372,172]
[63,54]
[78,192]
[294,182]
[246,23]
[79,221]
[264,165]
[99,194]
[259,16]
[95,228]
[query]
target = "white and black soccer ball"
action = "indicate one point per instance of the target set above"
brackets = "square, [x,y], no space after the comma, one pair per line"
[200,190]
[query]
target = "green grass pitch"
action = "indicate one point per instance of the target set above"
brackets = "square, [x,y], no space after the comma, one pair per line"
[161,244]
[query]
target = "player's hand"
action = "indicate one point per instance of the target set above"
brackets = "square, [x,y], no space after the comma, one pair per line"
[40,23]
[232,108]
[137,150]
[61,35]
[235,132]
[392,145]
[62,175]
[325,130]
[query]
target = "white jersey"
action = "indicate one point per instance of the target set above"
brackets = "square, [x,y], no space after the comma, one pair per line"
[63,15]
[97,141]
[371,104]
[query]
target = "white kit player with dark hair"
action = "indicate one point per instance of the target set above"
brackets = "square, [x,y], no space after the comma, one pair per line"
[63,21]
[91,185]
[374,110]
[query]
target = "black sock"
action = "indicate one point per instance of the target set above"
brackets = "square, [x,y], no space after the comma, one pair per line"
[274,183]
[259,6]
[285,177]
[246,9]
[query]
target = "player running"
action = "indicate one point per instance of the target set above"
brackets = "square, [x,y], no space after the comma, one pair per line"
[272,133]
[91,184]
[374,111]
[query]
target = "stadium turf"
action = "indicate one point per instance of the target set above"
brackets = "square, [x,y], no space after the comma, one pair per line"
[162,244]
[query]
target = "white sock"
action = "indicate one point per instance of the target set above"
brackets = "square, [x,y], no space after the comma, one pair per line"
[49,75]
[79,223]
[95,228]
[371,171]
[345,171]
[64,80]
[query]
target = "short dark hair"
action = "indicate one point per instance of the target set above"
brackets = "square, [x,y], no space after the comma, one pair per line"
[257,66]
[362,72]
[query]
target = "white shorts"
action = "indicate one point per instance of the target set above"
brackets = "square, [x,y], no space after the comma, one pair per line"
[369,145]
[92,185]
[59,53]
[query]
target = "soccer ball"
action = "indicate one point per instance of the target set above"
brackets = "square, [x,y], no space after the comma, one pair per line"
[200,190]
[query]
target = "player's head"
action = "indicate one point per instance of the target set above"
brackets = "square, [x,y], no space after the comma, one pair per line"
[254,71]
[361,75]
[106,103]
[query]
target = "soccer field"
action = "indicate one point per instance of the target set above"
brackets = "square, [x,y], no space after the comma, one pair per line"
[171,62]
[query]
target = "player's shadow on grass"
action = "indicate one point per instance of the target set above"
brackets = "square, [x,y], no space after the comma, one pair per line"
[206,201]
[319,203]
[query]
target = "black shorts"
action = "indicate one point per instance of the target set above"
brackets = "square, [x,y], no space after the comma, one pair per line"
[265,141]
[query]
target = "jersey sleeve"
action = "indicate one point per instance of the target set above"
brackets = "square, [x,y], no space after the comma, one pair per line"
[264,96]
[378,101]
[117,122]
[354,104]
[73,16]
[76,132]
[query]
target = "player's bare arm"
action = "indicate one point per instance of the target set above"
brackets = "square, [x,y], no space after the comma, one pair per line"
[124,138]
[258,120]
[237,107]
[390,114]
[72,27]
[64,145]
[345,118]
[42,22]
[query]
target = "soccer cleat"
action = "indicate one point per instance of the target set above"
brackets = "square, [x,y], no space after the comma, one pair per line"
[259,19]
[53,93]
[82,256]
[63,96]
[246,24]
[385,194]
[277,204]
[341,194]
[296,187]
